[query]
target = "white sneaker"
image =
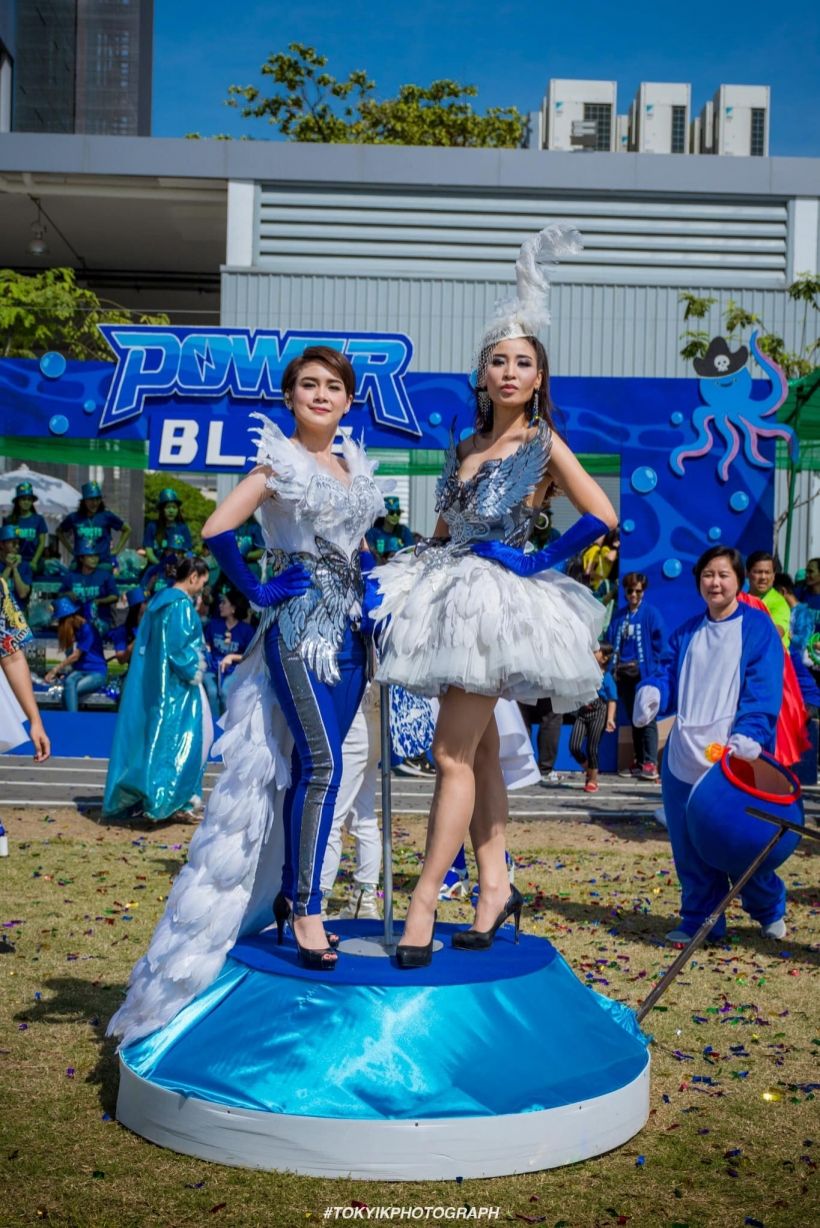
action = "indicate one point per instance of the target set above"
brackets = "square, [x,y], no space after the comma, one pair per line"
[775,929]
[362,904]
[456,885]
[550,778]
[679,937]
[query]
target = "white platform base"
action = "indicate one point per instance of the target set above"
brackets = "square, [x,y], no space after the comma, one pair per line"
[423,1150]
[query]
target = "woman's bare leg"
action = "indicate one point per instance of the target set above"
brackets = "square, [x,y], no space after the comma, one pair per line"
[488,829]
[462,721]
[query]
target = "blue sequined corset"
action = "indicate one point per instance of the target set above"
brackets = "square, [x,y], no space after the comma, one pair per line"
[492,503]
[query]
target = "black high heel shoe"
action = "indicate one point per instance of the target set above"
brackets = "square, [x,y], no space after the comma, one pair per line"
[417,957]
[318,959]
[480,940]
[282,916]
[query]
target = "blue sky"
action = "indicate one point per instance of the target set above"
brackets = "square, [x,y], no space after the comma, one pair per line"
[508,50]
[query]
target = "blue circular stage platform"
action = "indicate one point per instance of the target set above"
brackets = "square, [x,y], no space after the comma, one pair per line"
[482,1064]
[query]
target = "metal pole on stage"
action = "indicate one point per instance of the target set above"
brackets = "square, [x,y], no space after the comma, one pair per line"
[387,815]
[697,939]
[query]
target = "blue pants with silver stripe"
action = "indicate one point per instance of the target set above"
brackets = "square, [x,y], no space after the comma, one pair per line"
[319,717]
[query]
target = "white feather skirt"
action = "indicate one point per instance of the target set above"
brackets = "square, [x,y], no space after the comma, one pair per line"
[459,620]
[234,865]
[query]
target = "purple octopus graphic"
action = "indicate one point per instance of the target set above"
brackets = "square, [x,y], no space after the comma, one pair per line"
[726,386]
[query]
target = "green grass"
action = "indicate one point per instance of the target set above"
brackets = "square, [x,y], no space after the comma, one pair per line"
[733,1136]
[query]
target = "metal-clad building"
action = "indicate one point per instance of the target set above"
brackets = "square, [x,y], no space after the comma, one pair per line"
[350,247]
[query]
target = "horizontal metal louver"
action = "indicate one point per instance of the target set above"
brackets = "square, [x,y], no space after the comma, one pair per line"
[476,236]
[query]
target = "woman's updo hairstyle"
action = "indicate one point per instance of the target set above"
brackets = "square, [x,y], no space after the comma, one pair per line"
[187,567]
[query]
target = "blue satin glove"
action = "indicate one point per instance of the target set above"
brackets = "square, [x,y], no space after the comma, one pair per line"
[289,583]
[582,534]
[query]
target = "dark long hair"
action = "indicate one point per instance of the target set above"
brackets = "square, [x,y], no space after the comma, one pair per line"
[541,409]
[82,510]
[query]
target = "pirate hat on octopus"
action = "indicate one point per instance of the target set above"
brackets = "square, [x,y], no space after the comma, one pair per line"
[719,360]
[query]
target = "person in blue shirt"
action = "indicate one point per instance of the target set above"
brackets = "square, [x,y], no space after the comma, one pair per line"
[93,588]
[32,529]
[170,522]
[175,547]
[83,654]
[13,569]
[227,638]
[122,637]
[638,637]
[592,720]
[388,535]
[722,675]
[249,540]
[92,526]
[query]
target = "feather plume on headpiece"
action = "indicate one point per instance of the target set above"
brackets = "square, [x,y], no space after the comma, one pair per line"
[527,314]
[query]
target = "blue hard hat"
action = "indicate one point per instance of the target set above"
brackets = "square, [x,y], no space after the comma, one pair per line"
[134,596]
[8,533]
[91,490]
[392,503]
[26,490]
[65,606]
[168,495]
[85,548]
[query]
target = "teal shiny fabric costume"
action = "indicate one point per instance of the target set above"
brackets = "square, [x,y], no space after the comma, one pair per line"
[158,754]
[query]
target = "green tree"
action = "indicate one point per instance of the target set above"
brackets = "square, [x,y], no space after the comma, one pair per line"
[309,104]
[736,318]
[49,311]
[195,507]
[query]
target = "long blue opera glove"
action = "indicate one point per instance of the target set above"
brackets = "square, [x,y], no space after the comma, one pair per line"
[582,534]
[289,583]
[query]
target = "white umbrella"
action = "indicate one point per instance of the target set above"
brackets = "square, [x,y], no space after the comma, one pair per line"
[55,498]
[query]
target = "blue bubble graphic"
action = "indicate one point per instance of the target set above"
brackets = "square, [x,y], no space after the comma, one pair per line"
[739,501]
[58,424]
[644,480]
[434,419]
[628,526]
[52,365]
[715,533]
[89,407]
[676,418]
[466,433]
[672,568]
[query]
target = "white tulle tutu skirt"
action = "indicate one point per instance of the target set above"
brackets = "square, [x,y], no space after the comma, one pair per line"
[460,620]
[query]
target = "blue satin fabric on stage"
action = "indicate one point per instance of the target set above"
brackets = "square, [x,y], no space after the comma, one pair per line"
[477,1033]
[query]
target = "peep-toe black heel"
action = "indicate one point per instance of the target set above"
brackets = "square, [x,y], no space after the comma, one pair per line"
[282,916]
[481,940]
[417,957]
[316,958]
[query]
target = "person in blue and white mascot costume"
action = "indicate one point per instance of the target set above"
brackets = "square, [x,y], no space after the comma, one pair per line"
[723,676]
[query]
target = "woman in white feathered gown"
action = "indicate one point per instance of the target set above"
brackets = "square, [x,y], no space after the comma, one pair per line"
[297,690]
[473,617]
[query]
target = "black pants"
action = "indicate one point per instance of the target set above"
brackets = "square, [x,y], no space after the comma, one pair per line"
[589,724]
[645,740]
[549,730]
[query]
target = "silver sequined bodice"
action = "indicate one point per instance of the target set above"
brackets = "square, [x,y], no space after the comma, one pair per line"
[491,505]
[318,521]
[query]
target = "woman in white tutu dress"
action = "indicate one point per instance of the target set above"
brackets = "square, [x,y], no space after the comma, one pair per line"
[473,617]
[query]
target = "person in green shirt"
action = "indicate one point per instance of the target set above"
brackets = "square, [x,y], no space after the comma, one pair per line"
[760,570]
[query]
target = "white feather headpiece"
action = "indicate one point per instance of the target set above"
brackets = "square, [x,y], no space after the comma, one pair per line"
[527,314]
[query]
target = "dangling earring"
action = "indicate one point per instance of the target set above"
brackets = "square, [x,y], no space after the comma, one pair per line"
[535,409]
[485,410]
